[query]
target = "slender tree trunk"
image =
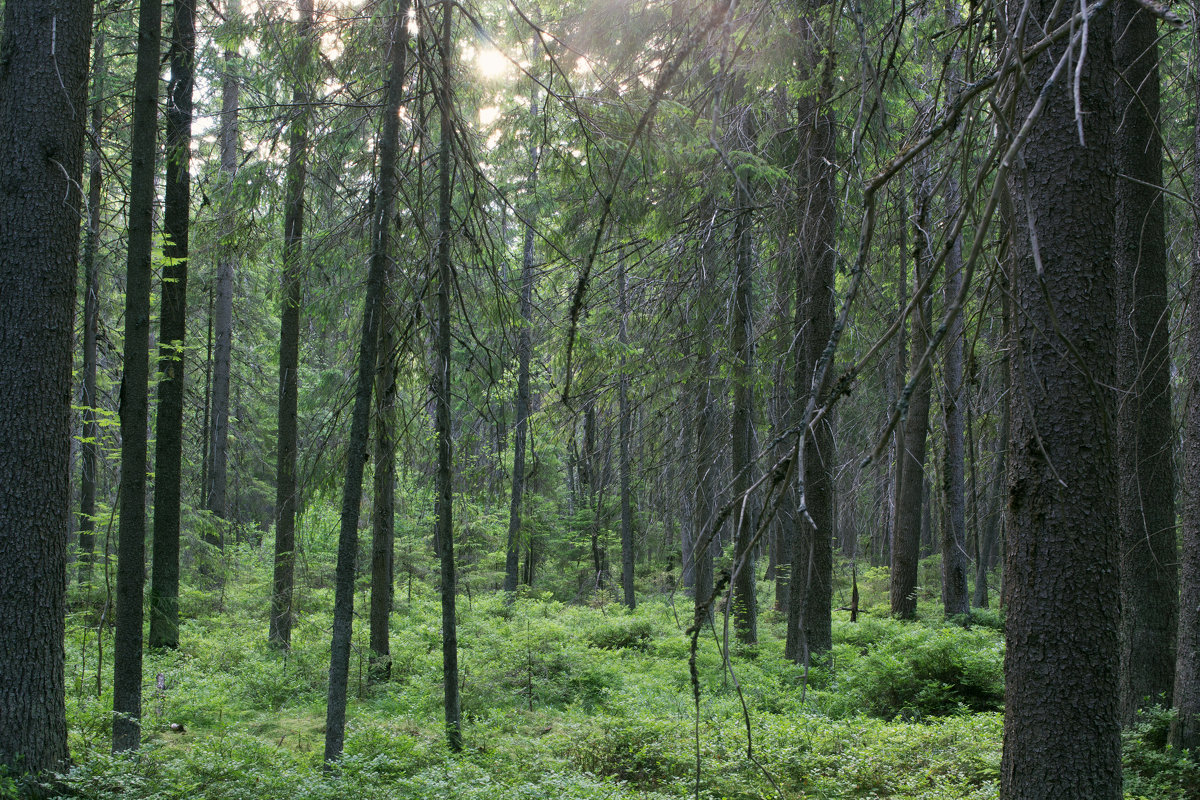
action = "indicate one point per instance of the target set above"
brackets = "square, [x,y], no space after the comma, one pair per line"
[223,353]
[168,459]
[205,430]
[906,540]
[90,450]
[955,596]
[625,420]
[1061,725]
[1145,429]
[1185,730]
[745,602]
[383,524]
[356,453]
[704,543]
[445,498]
[131,532]
[524,353]
[41,115]
[286,492]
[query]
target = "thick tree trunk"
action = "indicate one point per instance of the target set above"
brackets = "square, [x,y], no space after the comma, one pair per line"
[131,532]
[168,458]
[1061,725]
[1185,730]
[906,538]
[41,105]
[524,353]
[286,491]
[356,452]
[445,498]
[90,449]
[625,425]
[226,264]
[819,237]
[1145,429]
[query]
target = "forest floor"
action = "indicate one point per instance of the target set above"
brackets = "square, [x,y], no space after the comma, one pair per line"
[564,701]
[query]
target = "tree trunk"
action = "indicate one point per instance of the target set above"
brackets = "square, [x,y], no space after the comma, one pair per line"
[168,459]
[906,539]
[383,524]
[704,540]
[955,597]
[524,353]
[39,238]
[286,491]
[819,237]
[1185,730]
[625,414]
[445,498]
[131,532]
[1145,429]
[90,449]
[356,452]
[1061,725]
[223,353]
[745,602]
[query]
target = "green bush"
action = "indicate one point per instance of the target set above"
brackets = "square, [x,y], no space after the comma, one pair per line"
[918,672]
[1153,769]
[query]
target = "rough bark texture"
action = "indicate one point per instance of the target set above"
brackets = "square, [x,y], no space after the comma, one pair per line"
[356,451]
[1185,731]
[41,137]
[90,449]
[1145,430]
[1061,731]
[383,500]
[745,602]
[223,323]
[820,254]
[625,433]
[445,487]
[524,353]
[131,533]
[383,528]
[906,538]
[280,628]
[955,595]
[168,453]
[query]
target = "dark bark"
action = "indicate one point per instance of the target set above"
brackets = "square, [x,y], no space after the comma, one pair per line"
[168,458]
[286,491]
[218,470]
[906,538]
[383,522]
[356,451]
[1061,726]
[624,436]
[704,540]
[41,164]
[741,345]
[445,498]
[90,449]
[1185,730]
[819,237]
[524,353]
[955,596]
[131,532]
[1145,429]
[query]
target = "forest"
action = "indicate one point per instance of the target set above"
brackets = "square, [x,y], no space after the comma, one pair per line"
[599,399]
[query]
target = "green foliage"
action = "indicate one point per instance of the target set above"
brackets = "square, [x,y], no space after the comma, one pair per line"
[1153,769]
[887,669]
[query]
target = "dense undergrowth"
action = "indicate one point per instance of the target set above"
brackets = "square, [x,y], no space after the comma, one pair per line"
[562,700]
